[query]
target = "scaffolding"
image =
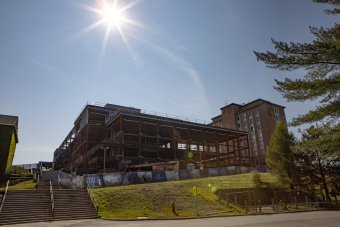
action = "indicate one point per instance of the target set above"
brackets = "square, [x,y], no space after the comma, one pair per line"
[112,138]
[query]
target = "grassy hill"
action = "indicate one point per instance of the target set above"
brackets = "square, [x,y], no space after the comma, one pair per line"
[26,185]
[155,199]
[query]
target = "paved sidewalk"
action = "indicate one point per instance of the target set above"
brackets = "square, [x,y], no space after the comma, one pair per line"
[301,219]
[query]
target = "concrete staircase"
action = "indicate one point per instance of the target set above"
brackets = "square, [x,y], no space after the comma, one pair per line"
[26,206]
[72,204]
[43,185]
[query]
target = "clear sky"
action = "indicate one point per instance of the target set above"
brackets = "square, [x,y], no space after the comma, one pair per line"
[182,57]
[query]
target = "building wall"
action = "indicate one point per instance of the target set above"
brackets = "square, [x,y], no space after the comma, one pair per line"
[12,147]
[259,118]
[7,147]
[229,119]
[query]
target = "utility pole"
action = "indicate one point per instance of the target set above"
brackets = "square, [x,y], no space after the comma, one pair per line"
[104,166]
[104,159]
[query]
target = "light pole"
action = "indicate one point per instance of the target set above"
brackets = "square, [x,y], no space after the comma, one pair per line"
[105,148]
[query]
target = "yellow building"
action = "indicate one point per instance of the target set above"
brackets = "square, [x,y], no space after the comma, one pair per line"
[8,141]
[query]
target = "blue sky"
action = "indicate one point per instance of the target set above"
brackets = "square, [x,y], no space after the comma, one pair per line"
[186,57]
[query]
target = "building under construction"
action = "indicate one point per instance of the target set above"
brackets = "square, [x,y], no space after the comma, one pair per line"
[115,138]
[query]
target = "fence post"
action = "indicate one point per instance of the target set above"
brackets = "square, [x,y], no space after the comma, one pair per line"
[306,199]
[245,207]
[273,206]
[196,206]
[219,195]
[227,199]
[254,194]
[285,205]
[259,204]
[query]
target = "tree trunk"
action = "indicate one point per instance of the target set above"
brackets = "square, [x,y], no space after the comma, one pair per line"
[323,179]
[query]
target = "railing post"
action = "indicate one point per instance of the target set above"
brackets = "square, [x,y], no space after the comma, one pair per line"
[245,207]
[52,198]
[3,198]
[93,199]
[259,204]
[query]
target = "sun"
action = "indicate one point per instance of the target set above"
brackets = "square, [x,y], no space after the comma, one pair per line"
[113,16]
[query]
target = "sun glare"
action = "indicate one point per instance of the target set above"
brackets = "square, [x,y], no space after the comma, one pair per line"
[113,16]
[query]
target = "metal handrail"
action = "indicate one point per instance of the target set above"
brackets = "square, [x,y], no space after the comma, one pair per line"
[177,117]
[4,197]
[93,199]
[52,197]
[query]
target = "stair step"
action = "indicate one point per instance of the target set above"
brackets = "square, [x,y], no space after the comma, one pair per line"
[73,217]
[25,220]
[75,213]
[35,205]
[25,208]
[23,216]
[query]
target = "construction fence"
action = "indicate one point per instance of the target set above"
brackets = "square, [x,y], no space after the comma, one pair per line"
[126,178]
[239,197]
[247,201]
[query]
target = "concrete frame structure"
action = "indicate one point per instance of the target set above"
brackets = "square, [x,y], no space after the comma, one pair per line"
[259,118]
[114,138]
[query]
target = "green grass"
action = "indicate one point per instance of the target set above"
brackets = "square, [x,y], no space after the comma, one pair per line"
[26,185]
[155,199]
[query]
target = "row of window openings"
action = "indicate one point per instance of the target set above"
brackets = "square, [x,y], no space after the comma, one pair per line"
[255,152]
[244,117]
[251,123]
[193,147]
[273,109]
[218,124]
[250,113]
[201,148]
[260,141]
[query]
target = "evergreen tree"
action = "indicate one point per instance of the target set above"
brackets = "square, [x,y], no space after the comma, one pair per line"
[317,157]
[279,155]
[320,60]
[333,2]
[318,163]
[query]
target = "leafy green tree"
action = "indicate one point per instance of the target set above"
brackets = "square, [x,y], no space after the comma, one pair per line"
[279,155]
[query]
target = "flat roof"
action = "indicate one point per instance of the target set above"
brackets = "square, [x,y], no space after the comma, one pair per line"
[217,117]
[231,104]
[106,107]
[9,120]
[249,103]
[172,120]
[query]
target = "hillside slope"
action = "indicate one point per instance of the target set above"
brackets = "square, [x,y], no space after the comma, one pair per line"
[155,199]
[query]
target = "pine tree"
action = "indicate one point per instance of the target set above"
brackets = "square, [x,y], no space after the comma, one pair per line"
[320,60]
[317,156]
[318,163]
[279,155]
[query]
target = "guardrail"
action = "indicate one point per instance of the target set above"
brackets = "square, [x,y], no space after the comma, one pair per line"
[52,198]
[93,199]
[177,117]
[4,197]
